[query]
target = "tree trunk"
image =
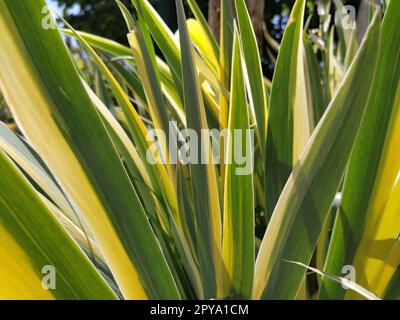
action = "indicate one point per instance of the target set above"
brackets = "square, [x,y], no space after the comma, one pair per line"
[256,10]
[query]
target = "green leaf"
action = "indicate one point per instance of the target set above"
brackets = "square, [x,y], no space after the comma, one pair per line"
[164,38]
[202,20]
[130,79]
[255,76]
[101,89]
[130,22]
[313,82]
[238,240]
[20,152]
[148,197]
[304,204]
[362,221]
[145,59]
[289,120]
[203,176]
[226,45]
[102,43]
[161,182]
[32,240]
[352,49]
[57,116]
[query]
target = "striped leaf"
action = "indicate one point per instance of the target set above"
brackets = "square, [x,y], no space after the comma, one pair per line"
[238,240]
[203,44]
[252,59]
[226,44]
[315,98]
[362,224]
[164,38]
[289,125]
[161,182]
[203,176]
[303,207]
[150,78]
[204,24]
[27,255]
[56,115]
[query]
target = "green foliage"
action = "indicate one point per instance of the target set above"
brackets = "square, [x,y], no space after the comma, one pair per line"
[82,189]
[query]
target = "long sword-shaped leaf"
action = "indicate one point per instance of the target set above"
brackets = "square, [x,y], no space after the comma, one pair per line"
[102,43]
[164,38]
[203,176]
[150,77]
[57,116]
[206,28]
[169,46]
[33,168]
[304,204]
[238,241]
[289,118]
[18,151]
[373,168]
[123,52]
[251,54]
[203,45]
[313,82]
[145,188]
[225,60]
[351,50]
[32,242]
[131,80]
[157,208]
[162,183]
[123,144]
[226,44]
